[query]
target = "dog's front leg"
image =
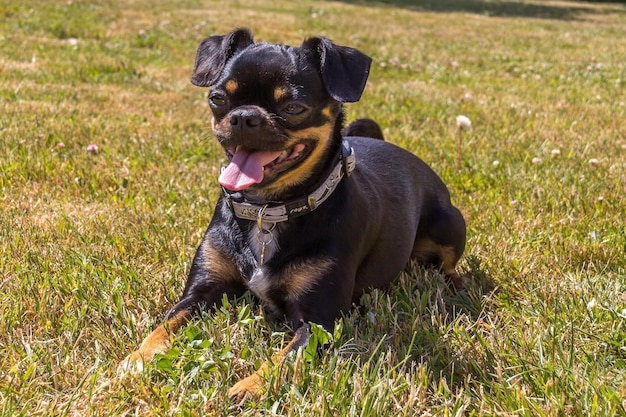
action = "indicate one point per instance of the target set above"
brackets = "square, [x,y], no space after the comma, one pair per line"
[317,291]
[253,385]
[212,276]
[158,342]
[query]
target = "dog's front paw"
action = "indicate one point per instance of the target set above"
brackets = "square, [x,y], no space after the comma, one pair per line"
[133,363]
[247,389]
[156,342]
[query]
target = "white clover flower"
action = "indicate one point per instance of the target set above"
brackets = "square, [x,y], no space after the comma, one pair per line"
[463,122]
[536,160]
[591,304]
[594,161]
[495,163]
[556,152]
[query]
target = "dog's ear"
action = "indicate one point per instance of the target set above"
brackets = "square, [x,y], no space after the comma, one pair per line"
[344,70]
[214,52]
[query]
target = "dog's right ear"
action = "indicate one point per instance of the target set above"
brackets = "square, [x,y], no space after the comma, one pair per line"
[214,52]
[344,70]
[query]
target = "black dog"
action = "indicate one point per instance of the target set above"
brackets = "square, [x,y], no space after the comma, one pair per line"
[309,220]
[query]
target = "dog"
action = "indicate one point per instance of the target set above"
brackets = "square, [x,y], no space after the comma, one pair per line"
[308,220]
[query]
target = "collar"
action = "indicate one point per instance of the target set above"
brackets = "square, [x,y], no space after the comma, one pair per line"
[275,212]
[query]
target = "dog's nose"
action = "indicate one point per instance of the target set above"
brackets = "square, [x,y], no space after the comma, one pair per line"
[245,119]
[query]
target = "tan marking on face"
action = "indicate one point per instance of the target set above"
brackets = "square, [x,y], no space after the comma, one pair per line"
[231,86]
[280,93]
[300,277]
[322,136]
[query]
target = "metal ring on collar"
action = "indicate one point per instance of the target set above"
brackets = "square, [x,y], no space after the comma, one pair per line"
[259,221]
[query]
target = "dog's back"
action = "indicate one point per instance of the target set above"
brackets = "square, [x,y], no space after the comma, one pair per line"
[399,195]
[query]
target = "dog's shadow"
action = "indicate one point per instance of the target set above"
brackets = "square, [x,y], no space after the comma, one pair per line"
[418,321]
[421,320]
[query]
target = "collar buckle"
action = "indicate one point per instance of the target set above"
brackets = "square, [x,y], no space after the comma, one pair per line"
[312,201]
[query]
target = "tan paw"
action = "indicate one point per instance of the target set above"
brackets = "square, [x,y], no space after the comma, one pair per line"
[246,389]
[133,364]
[157,342]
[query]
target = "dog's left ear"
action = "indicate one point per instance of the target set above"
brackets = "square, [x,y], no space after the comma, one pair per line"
[344,70]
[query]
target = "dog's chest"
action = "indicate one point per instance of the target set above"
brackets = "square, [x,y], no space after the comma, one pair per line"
[264,245]
[263,242]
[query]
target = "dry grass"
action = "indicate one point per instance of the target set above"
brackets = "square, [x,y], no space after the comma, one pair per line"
[95,245]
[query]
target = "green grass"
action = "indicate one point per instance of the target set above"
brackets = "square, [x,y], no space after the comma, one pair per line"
[95,246]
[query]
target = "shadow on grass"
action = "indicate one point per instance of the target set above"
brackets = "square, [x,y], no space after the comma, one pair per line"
[421,317]
[572,11]
[418,323]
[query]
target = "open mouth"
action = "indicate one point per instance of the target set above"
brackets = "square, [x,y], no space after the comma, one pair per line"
[248,166]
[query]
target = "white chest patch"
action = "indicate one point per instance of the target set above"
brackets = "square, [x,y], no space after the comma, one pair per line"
[264,246]
[259,284]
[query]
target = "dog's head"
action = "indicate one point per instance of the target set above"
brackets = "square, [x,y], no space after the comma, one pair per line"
[276,108]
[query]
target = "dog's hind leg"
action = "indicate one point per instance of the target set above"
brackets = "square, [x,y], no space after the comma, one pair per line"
[441,242]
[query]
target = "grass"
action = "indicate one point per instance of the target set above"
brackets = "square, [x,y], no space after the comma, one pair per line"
[95,244]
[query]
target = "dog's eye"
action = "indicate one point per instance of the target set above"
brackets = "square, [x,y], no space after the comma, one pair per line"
[217,100]
[294,109]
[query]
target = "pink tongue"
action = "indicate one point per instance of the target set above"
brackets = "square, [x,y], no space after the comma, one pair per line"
[246,168]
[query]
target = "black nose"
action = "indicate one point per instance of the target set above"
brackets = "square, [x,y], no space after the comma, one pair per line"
[245,119]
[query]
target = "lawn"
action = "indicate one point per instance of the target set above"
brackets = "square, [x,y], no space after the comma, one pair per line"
[108,178]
